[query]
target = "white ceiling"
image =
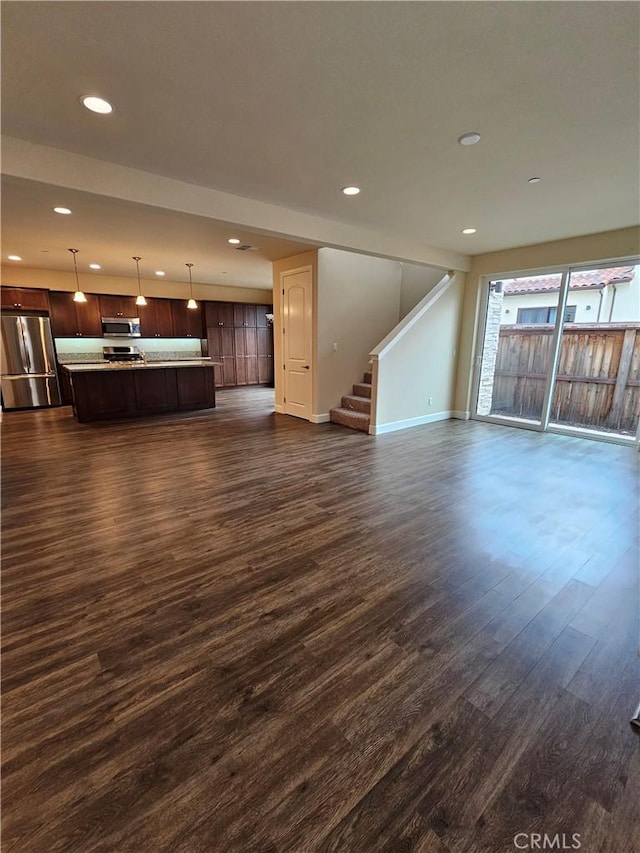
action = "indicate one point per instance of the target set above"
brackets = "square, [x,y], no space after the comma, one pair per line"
[287,102]
[110,232]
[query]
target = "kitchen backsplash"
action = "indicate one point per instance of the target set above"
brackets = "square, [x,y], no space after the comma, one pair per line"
[90,349]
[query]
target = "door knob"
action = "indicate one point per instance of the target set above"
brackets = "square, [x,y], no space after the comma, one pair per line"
[306,366]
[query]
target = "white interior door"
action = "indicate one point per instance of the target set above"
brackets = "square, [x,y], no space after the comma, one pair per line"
[297,324]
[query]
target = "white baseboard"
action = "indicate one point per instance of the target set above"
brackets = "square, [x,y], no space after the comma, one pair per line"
[380,429]
[279,409]
[461,416]
[320,419]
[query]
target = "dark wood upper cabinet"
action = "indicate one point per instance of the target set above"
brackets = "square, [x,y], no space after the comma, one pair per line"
[187,322]
[25,298]
[118,306]
[64,320]
[89,317]
[69,318]
[156,318]
[244,315]
[250,315]
[219,314]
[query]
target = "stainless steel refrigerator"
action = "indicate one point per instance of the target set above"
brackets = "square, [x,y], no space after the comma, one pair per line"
[29,377]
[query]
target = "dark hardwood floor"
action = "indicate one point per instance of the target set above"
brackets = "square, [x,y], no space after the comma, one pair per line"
[235,631]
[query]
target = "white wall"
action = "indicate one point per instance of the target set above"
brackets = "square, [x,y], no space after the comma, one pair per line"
[415,377]
[358,303]
[415,283]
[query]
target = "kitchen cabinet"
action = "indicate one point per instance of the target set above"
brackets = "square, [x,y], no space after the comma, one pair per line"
[187,322]
[246,351]
[64,381]
[102,396]
[155,391]
[265,356]
[118,306]
[130,392]
[218,314]
[244,315]
[24,298]
[195,387]
[89,317]
[156,318]
[221,348]
[71,319]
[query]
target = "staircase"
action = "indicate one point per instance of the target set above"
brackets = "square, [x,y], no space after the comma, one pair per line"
[355,411]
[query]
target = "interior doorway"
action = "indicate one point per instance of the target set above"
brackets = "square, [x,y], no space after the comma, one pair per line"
[297,325]
[561,352]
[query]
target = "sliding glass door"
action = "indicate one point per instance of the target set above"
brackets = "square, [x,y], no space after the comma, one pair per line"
[517,350]
[561,351]
[597,383]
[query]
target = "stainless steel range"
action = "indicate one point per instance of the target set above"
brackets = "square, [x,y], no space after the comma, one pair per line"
[122,354]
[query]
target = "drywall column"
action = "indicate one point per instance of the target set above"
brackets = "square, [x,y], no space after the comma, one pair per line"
[358,304]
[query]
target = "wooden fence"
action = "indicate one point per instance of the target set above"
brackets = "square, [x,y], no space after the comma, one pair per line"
[598,383]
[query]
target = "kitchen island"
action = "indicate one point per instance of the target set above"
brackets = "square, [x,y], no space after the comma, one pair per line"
[106,391]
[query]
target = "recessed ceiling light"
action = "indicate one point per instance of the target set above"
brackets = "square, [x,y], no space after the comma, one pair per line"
[95,267]
[96,105]
[469,230]
[233,240]
[534,180]
[350,190]
[159,272]
[64,210]
[14,257]
[471,138]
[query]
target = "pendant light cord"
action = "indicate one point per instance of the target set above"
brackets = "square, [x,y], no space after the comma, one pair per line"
[137,259]
[190,281]
[74,252]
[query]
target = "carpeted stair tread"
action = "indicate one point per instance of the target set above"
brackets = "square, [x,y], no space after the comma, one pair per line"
[368,378]
[362,389]
[350,418]
[357,404]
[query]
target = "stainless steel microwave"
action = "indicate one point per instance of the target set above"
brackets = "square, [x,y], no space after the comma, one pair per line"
[121,327]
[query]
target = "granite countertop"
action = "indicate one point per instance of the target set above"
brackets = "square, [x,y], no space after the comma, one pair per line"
[91,367]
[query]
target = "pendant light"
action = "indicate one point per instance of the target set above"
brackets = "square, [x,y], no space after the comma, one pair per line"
[192,302]
[78,296]
[140,300]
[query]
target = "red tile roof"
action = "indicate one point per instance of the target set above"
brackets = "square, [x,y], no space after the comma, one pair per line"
[593,279]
